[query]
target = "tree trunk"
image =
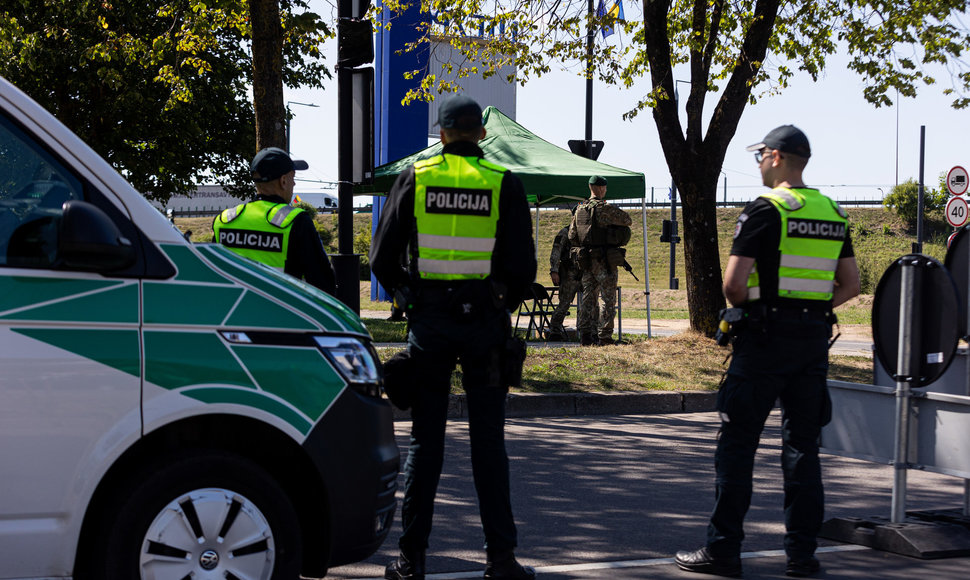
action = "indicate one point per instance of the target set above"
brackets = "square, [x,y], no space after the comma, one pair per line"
[694,158]
[268,73]
[701,255]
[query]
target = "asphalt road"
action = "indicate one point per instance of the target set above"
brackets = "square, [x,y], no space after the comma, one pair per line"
[617,496]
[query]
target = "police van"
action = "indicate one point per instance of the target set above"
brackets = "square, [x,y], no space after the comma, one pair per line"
[169,410]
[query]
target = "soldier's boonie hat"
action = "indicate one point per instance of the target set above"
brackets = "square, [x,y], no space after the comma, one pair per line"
[597,180]
[272,163]
[460,112]
[787,139]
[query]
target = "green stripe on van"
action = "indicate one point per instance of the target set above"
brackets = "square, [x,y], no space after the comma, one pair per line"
[301,376]
[332,314]
[179,359]
[113,306]
[19,291]
[195,304]
[190,267]
[254,310]
[253,399]
[117,349]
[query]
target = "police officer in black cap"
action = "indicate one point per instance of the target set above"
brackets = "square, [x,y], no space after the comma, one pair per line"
[790,264]
[466,224]
[270,230]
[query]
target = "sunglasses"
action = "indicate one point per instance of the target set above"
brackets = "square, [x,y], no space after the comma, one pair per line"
[760,155]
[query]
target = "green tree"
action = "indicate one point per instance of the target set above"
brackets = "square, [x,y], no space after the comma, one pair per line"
[160,90]
[735,51]
[903,200]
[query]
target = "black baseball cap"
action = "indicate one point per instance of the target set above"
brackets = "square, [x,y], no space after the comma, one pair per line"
[272,163]
[459,112]
[787,139]
[597,180]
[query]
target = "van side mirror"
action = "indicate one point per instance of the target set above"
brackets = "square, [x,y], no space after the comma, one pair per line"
[89,240]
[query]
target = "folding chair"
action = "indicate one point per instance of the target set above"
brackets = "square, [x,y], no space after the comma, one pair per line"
[537,306]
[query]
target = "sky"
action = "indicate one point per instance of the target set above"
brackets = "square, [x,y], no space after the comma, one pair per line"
[854,144]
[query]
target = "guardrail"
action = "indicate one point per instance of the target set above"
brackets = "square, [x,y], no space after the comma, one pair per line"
[204,212]
[666,204]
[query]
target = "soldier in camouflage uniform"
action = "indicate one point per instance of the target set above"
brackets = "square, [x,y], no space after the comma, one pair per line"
[596,233]
[564,274]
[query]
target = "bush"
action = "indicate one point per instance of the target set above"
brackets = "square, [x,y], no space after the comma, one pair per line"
[362,240]
[903,199]
[326,235]
[307,208]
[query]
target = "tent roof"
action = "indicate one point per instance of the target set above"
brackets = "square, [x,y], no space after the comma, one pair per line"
[549,173]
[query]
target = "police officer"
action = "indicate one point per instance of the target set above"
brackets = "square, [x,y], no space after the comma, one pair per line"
[565,275]
[597,231]
[466,222]
[791,263]
[270,230]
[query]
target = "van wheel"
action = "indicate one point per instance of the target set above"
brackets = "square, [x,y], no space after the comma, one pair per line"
[206,515]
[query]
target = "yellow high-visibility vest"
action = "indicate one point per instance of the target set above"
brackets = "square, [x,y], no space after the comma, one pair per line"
[456,211]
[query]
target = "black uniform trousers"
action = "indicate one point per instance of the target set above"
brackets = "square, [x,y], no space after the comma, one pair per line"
[773,360]
[441,334]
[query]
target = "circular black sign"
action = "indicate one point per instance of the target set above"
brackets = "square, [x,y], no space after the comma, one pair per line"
[935,327]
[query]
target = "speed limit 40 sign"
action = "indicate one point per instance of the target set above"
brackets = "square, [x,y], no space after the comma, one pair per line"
[956,211]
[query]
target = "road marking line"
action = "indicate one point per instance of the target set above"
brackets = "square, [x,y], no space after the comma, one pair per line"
[637,563]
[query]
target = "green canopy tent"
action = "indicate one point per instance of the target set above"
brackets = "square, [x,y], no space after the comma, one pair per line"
[550,174]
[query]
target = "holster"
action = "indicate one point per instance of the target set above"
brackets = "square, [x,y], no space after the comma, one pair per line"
[615,257]
[582,257]
[512,360]
[400,380]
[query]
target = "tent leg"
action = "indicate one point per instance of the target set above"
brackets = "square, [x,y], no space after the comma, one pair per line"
[646,262]
[537,233]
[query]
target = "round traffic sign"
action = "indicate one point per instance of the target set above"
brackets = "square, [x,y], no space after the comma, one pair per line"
[935,323]
[956,211]
[957,181]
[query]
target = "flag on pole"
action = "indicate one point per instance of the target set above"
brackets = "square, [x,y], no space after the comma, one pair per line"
[616,11]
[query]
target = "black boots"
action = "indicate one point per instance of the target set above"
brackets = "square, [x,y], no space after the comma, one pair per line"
[503,566]
[406,567]
[702,561]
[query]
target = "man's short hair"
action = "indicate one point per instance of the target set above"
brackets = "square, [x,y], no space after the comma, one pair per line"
[463,134]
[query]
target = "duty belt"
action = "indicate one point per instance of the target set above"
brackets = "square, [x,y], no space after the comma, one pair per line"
[792,314]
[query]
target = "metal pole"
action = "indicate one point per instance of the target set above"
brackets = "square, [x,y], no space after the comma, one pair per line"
[897,136]
[919,219]
[619,315]
[589,81]
[725,190]
[966,391]
[903,380]
[537,228]
[346,264]
[673,234]
[646,261]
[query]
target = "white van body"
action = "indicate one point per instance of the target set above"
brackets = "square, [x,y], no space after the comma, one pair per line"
[142,379]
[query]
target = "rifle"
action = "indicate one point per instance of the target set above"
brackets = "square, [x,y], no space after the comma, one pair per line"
[629,268]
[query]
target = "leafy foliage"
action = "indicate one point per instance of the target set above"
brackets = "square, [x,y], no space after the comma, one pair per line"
[903,199]
[159,90]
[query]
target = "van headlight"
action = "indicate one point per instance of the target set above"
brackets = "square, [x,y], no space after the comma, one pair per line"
[356,362]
